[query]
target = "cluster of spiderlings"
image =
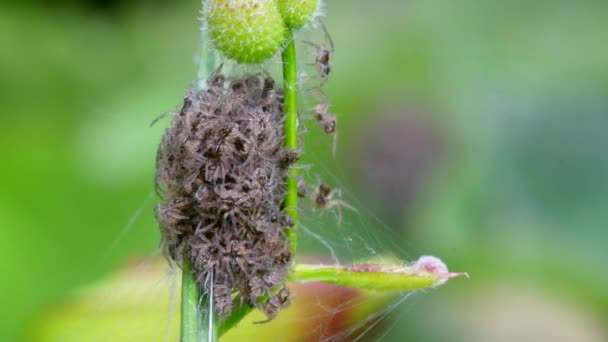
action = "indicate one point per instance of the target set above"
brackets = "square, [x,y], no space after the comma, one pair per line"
[220,172]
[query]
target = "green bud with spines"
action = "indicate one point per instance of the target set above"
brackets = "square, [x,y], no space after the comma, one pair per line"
[297,13]
[248,31]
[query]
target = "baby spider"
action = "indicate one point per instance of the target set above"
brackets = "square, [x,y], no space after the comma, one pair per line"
[271,98]
[274,304]
[302,191]
[325,119]
[322,56]
[185,108]
[324,198]
[213,87]
[327,122]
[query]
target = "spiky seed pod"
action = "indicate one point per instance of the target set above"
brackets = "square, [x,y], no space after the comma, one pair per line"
[297,13]
[248,31]
[220,170]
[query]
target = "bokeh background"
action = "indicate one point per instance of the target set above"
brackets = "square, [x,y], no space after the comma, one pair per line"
[475,130]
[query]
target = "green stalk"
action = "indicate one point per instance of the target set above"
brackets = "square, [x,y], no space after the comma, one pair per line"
[192,330]
[189,312]
[291,133]
[380,278]
[206,58]
[240,310]
[374,278]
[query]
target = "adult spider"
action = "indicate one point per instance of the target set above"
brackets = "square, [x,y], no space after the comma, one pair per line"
[322,56]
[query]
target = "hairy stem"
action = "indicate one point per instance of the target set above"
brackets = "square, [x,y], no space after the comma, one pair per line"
[189,312]
[291,133]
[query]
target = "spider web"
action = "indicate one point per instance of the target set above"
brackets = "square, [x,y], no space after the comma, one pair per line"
[148,288]
[144,297]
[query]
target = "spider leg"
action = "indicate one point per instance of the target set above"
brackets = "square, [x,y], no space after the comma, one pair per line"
[158,118]
[312,44]
[324,79]
[334,145]
[317,93]
[331,41]
[217,70]
[346,205]
[339,213]
[213,74]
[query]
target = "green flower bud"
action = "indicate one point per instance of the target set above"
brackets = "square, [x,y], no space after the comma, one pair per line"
[248,31]
[297,13]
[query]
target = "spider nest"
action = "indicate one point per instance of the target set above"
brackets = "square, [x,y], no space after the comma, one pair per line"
[221,168]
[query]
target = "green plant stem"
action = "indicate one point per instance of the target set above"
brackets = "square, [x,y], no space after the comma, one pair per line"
[189,312]
[385,278]
[240,310]
[192,330]
[206,58]
[291,133]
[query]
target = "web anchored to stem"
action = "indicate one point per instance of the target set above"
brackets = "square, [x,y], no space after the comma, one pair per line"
[230,189]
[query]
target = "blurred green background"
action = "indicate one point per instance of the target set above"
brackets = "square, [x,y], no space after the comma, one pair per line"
[475,130]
